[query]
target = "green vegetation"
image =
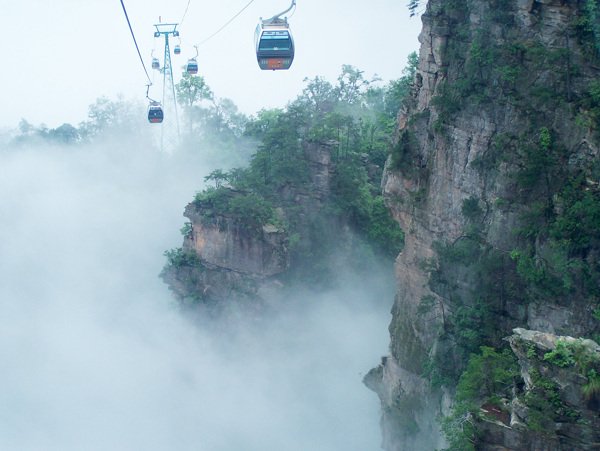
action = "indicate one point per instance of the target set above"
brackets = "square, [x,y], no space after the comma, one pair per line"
[355,117]
[475,281]
[484,281]
[489,382]
[252,210]
[248,208]
[118,118]
[186,229]
[587,28]
[591,389]
[178,257]
[489,377]
[583,360]
[350,122]
[555,247]
[561,356]
[471,208]
[213,124]
[405,155]
[382,230]
[545,405]
[561,209]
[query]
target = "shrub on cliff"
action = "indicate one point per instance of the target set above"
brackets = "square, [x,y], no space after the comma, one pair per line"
[248,208]
[178,257]
[251,210]
[489,377]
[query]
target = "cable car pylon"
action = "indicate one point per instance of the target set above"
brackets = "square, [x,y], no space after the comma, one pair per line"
[170,136]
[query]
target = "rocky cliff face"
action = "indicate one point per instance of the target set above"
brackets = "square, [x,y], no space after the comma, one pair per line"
[224,258]
[496,126]
[222,242]
[553,372]
[228,259]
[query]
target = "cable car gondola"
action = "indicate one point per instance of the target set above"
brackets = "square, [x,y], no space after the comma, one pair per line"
[177,50]
[192,66]
[274,42]
[155,112]
[155,63]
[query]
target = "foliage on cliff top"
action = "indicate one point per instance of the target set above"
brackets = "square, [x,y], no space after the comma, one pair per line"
[356,115]
[248,208]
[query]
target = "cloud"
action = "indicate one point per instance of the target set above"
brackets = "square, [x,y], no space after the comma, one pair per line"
[95,355]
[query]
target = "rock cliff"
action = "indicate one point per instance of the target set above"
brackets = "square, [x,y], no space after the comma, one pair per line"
[229,259]
[497,140]
[235,253]
[553,397]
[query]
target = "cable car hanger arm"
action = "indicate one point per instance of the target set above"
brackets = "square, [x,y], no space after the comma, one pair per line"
[276,16]
[147,91]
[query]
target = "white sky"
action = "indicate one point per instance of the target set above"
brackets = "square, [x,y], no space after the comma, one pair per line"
[61,56]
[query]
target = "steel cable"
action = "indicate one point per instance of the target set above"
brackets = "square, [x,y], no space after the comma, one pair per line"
[135,42]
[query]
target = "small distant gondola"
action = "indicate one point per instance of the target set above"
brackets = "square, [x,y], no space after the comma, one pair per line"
[274,43]
[155,113]
[155,63]
[192,66]
[177,50]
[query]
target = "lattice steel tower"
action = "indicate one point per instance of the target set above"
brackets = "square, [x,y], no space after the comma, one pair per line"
[170,137]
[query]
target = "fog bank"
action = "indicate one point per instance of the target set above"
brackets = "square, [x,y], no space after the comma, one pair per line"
[96,356]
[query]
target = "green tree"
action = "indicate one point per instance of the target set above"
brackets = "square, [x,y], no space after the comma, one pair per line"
[397,90]
[351,85]
[414,7]
[218,176]
[115,117]
[65,134]
[191,90]
[318,96]
[257,128]
[224,118]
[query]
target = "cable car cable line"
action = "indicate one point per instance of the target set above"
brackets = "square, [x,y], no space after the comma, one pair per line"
[185,12]
[230,20]
[134,41]
[192,65]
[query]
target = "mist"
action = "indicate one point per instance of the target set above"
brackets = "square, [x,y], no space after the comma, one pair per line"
[96,355]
